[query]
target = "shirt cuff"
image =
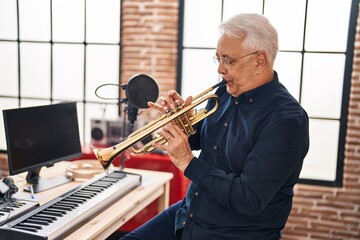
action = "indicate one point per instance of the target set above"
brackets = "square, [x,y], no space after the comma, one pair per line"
[196,170]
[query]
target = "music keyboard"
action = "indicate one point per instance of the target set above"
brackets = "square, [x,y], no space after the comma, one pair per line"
[18,207]
[59,216]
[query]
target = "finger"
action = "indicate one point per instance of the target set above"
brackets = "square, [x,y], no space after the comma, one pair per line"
[173,99]
[159,146]
[174,131]
[165,134]
[188,101]
[169,100]
[155,106]
[162,101]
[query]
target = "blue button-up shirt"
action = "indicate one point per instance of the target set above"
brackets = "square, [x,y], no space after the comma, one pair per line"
[252,150]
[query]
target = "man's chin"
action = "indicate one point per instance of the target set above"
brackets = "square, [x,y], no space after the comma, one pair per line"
[232,90]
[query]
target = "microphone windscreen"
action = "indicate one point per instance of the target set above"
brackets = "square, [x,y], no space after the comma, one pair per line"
[3,187]
[141,89]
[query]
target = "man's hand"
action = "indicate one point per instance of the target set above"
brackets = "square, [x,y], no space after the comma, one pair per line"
[177,146]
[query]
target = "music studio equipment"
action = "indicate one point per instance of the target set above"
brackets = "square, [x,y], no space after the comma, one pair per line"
[179,116]
[55,219]
[139,90]
[7,189]
[105,132]
[11,207]
[10,211]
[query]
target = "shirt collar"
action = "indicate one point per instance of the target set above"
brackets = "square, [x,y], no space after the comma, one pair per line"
[262,91]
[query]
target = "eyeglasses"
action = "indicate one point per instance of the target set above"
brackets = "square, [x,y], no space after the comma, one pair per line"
[227,63]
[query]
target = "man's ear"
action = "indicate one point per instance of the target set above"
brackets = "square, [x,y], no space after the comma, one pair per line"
[261,60]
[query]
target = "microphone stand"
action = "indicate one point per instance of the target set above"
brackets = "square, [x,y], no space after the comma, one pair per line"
[129,116]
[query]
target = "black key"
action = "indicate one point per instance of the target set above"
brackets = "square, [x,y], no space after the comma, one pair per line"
[55,210]
[45,216]
[45,219]
[62,207]
[26,228]
[70,202]
[49,213]
[75,200]
[29,225]
[81,196]
[35,221]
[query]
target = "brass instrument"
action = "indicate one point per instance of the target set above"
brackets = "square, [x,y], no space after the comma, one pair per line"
[179,116]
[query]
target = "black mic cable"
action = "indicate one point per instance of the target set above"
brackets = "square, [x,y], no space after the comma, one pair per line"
[6,205]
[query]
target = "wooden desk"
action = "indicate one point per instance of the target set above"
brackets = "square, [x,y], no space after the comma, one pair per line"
[154,185]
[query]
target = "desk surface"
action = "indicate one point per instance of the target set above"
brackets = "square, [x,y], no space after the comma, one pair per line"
[154,185]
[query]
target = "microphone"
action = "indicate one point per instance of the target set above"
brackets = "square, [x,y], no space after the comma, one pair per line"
[7,189]
[3,188]
[141,89]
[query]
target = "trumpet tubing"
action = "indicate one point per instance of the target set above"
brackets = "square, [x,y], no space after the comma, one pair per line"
[180,116]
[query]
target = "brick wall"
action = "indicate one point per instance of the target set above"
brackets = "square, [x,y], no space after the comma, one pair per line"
[149,45]
[149,40]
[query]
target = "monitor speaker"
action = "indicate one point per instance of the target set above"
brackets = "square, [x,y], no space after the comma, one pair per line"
[105,132]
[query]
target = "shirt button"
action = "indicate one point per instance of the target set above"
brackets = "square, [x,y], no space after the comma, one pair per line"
[190,215]
[250,100]
[236,102]
[225,124]
[196,194]
[184,223]
[215,147]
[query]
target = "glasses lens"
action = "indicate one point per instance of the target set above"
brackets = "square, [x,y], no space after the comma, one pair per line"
[223,62]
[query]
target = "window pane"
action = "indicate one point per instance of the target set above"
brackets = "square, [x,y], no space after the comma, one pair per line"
[321,160]
[201,30]
[327,25]
[34,20]
[322,84]
[68,18]
[68,71]
[33,102]
[102,66]
[103,21]
[5,103]
[35,70]
[288,67]
[98,111]
[233,7]
[291,31]
[9,69]
[8,19]
[199,72]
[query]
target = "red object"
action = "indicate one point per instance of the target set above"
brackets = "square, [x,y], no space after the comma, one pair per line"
[156,162]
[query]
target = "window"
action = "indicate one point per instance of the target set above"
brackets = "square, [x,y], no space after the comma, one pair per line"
[59,50]
[316,43]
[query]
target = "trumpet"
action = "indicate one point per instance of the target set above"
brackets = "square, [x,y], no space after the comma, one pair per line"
[179,116]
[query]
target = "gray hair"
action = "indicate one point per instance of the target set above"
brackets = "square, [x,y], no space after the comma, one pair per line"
[256,30]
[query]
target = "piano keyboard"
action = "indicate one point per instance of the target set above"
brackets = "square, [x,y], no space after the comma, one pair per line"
[17,208]
[57,217]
